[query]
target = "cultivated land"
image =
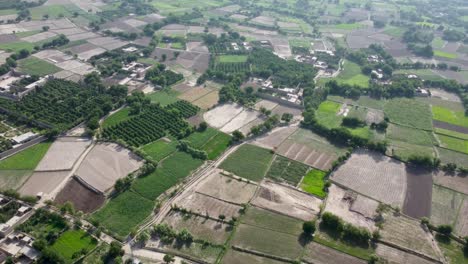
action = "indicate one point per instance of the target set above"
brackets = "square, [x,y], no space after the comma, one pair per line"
[81,196]
[313,183]
[63,154]
[286,170]
[207,206]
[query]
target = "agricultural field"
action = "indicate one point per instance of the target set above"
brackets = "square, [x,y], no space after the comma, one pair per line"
[117,117]
[393,255]
[446,115]
[81,196]
[452,143]
[449,156]
[249,162]
[352,75]
[408,112]
[317,253]
[327,240]
[164,97]
[232,58]
[446,205]
[160,148]
[205,205]
[35,66]
[71,242]
[314,183]
[63,153]
[233,257]
[290,171]
[217,145]
[451,249]
[27,159]
[327,114]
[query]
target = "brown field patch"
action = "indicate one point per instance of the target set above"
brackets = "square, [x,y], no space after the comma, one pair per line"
[306,155]
[236,257]
[82,198]
[200,227]
[273,139]
[318,254]
[286,201]
[205,205]
[443,125]
[207,101]
[194,94]
[418,193]
[374,175]
[105,164]
[63,154]
[461,228]
[396,256]
[455,182]
[227,189]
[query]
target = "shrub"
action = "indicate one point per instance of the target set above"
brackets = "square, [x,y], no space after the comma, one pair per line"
[308,227]
[445,229]
[332,222]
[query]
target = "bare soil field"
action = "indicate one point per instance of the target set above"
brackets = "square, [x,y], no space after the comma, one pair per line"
[374,116]
[242,119]
[202,204]
[445,206]
[197,47]
[194,94]
[287,201]
[461,228]
[82,198]
[105,164]
[207,101]
[200,227]
[418,192]
[44,182]
[221,115]
[374,175]
[273,139]
[395,256]
[39,37]
[246,129]
[281,109]
[443,125]
[407,233]
[455,182]
[264,20]
[339,202]
[318,254]
[63,154]
[235,257]
[269,105]
[306,155]
[227,189]
[444,95]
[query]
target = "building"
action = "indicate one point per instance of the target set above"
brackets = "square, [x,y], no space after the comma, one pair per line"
[24,138]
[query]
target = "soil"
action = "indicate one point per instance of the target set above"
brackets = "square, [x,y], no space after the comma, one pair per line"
[418,193]
[444,125]
[82,198]
[318,254]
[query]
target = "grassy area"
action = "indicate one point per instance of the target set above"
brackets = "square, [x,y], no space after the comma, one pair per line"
[117,117]
[198,139]
[16,46]
[173,169]
[352,75]
[24,34]
[178,45]
[300,42]
[53,11]
[409,135]
[164,97]
[35,66]
[449,116]
[149,61]
[452,143]
[277,222]
[284,169]
[443,54]
[232,58]
[353,250]
[451,133]
[327,114]
[452,250]
[395,31]
[250,162]
[449,156]
[217,145]
[13,179]
[123,213]
[26,159]
[409,112]
[426,74]
[160,149]
[96,256]
[438,43]
[71,242]
[404,150]
[314,183]
[445,205]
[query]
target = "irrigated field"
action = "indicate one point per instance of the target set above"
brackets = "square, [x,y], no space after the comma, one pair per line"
[449,116]
[352,75]
[71,242]
[316,253]
[290,171]
[445,205]
[235,257]
[249,162]
[160,149]
[314,183]
[409,112]
[117,117]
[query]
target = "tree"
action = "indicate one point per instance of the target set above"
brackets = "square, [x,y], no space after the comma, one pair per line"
[203,126]
[143,237]
[287,117]
[445,229]
[237,136]
[168,258]
[115,250]
[45,28]
[308,227]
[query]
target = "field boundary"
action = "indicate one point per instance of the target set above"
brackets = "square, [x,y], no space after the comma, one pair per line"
[410,251]
[260,254]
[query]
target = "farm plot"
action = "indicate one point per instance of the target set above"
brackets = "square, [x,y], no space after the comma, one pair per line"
[445,205]
[283,169]
[272,140]
[221,115]
[172,170]
[194,94]
[200,227]
[217,145]
[281,109]
[461,228]
[352,75]
[264,21]
[45,182]
[235,257]
[34,66]
[123,213]
[196,251]
[407,233]
[449,156]
[351,207]
[396,256]
[71,242]
[13,179]
[446,115]
[409,112]
[26,159]
[206,205]
[249,161]
[374,175]
[227,189]
[272,221]
[409,135]
[160,149]
[207,101]
[455,182]
[267,241]
[287,201]
[63,154]
[314,183]
[329,114]
[240,120]
[317,253]
[405,150]
[418,192]
[452,143]
[82,198]
[105,164]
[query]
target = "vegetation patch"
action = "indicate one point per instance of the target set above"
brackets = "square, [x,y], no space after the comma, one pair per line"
[314,183]
[217,145]
[164,97]
[249,162]
[200,138]
[232,58]
[26,159]
[35,66]
[409,112]
[327,114]
[452,143]
[283,169]
[409,135]
[73,243]
[160,149]
[277,222]
[449,116]
[117,117]
[443,54]
[352,75]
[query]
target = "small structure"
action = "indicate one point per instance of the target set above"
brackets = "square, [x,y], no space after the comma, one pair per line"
[24,138]
[422,92]
[321,65]
[412,76]
[130,49]
[19,246]
[377,73]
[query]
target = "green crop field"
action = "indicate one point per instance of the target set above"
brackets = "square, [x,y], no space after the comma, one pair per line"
[16,46]
[452,143]
[352,75]
[35,66]
[409,135]
[123,213]
[71,242]
[13,179]
[451,133]
[117,117]
[164,97]
[232,58]
[449,116]
[452,250]
[198,139]
[217,145]
[300,42]
[173,169]
[314,183]
[443,54]
[26,159]
[160,149]
[288,170]
[409,112]
[394,31]
[267,241]
[404,150]
[327,114]
[445,205]
[266,219]
[97,255]
[449,156]
[249,162]
[53,11]
[353,250]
